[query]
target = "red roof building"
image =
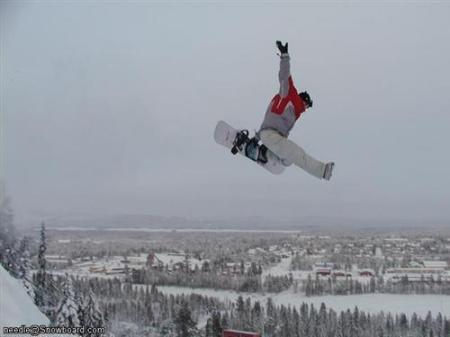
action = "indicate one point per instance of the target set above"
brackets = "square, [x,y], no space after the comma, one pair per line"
[237,333]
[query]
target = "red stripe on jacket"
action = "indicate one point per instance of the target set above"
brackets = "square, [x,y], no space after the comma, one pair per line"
[279,104]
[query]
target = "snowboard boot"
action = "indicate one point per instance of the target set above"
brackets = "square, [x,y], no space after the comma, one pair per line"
[328,170]
[252,149]
[262,154]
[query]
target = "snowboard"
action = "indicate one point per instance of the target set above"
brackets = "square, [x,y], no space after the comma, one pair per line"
[238,141]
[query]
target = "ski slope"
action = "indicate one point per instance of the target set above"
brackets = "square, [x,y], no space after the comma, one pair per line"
[16,307]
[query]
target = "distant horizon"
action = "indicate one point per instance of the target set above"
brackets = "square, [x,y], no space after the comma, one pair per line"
[136,222]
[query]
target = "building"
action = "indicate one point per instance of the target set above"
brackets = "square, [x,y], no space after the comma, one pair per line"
[237,333]
[323,271]
[442,265]
[367,273]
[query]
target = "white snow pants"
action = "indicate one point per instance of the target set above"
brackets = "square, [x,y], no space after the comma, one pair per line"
[291,153]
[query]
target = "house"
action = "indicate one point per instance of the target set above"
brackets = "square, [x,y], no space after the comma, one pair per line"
[339,273]
[237,333]
[97,269]
[435,264]
[416,274]
[367,273]
[323,271]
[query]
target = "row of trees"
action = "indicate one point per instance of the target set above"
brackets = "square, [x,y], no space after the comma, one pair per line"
[309,321]
[56,297]
[347,286]
[154,313]
[247,282]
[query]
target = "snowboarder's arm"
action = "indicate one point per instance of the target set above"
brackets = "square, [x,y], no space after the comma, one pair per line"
[285,68]
[284,74]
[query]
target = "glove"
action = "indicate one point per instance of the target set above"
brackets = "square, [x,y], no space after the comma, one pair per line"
[281,48]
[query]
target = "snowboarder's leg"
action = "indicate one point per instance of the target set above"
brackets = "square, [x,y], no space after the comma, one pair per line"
[290,152]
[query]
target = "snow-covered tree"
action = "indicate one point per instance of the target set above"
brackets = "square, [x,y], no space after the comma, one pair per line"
[7,230]
[66,313]
[216,324]
[8,257]
[185,325]
[41,275]
[208,328]
[271,322]
[93,316]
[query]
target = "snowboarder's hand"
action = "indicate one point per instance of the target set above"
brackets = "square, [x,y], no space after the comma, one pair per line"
[281,48]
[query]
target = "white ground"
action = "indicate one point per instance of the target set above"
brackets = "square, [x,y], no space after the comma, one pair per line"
[16,307]
[282,268]
[372,303]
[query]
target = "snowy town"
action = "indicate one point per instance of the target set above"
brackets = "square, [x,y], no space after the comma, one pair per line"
[216,278]
[422,259]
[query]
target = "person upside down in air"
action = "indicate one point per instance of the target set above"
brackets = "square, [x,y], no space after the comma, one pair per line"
[284,110]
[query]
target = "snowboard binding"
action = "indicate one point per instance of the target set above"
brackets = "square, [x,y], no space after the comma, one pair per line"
[240,140]
[253,150]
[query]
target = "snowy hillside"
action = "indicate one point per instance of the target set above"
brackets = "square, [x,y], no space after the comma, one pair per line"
[16,307]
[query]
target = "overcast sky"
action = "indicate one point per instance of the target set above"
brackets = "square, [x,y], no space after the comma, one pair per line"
[110,107]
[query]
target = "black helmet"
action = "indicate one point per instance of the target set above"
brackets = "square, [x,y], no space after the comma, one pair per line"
[306,98]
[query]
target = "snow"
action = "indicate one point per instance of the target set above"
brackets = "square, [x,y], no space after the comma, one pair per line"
[282,269]
[16,306]
[371,303]
[279,269]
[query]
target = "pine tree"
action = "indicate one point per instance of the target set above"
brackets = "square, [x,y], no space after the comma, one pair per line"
[8,257]
[257,318]
[41,275]
[304,320]
[403,323]
[25,266]
[309,291]
[7,230]
[208,328]
[224,321]
[428,322]
[332,323]
[23,254]
[389,324]
[66,312]
[285,330]
[93,316]
[438,325]
[342,326]
[185,326]
[354,323]
[295,323]
[270,325]
[446,328]
[241,313]
[216,324]
[322,321]
[313,321]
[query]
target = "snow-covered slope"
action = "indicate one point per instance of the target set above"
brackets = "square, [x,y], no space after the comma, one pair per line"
[16,307]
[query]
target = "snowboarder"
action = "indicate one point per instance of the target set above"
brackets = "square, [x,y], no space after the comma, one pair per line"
[283,111]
